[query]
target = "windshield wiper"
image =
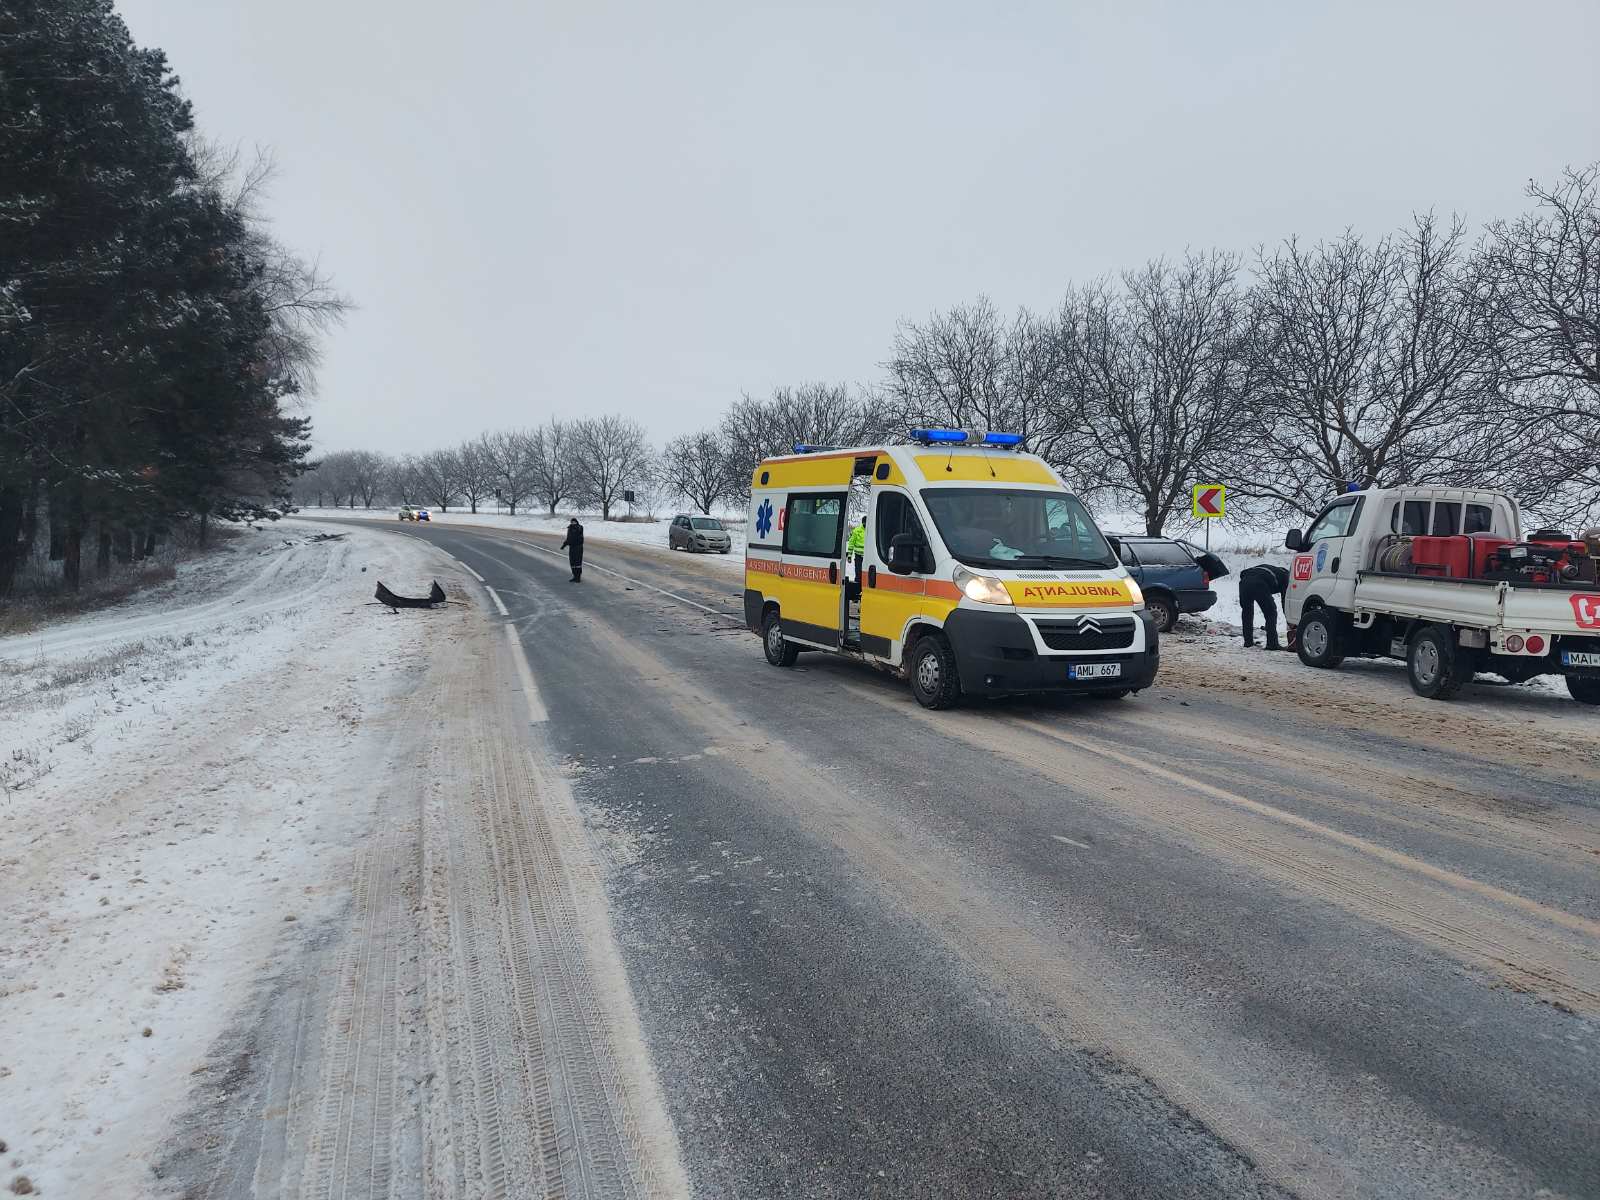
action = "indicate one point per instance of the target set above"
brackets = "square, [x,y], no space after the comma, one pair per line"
[1064,560]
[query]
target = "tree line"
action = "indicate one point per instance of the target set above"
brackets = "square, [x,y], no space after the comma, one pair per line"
[1426,356]
[153,335]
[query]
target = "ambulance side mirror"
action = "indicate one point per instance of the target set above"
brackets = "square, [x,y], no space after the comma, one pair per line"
[906,553]
[1295,540]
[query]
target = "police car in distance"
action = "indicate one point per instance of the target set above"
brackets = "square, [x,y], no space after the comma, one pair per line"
[982,574]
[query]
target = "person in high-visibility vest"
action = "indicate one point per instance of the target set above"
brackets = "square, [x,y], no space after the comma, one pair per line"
[854,548]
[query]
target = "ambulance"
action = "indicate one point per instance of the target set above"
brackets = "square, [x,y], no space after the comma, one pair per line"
[981,573]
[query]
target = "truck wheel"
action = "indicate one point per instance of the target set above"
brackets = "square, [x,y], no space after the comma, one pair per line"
[1435,663]
[1320,639]
[1585,689]
[1164,609]
[934,681]
[779,652]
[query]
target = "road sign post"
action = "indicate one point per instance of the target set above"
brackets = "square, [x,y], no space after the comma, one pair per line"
[1207,503]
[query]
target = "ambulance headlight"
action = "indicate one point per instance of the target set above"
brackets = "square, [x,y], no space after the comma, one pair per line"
[1136,592]
[984,589]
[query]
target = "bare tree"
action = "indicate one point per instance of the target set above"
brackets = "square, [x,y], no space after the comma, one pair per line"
[608,456]
[475,471]
[368,474]
[510,455]
[969,369]
[1539,288]
[436,476]
[297,296]
[695,467]
[817,414]
[1157,373]
[311,486]
[1371,366]
[550,463]
[340,473]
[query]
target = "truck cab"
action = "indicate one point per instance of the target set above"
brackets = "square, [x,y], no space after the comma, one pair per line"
[980,572]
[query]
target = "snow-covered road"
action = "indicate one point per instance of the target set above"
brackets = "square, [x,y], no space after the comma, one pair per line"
[238,839]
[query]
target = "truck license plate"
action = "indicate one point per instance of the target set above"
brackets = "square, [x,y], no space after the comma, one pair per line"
[1577,658]
[1094,671]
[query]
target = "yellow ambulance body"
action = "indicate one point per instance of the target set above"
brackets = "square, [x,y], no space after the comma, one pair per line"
[981,573]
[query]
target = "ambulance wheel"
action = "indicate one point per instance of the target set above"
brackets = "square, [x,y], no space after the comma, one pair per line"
[934,681]
[1436,664]
[1165,610]
[1320,639]
[1585,689]
[779,652]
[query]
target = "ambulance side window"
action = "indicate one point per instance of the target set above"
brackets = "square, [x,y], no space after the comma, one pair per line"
[813,524]
[896,515]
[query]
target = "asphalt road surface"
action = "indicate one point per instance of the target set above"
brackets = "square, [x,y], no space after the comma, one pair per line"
[1230,937]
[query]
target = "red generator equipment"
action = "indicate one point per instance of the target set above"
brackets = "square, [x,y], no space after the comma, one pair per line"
[1481,550]
[1442,557]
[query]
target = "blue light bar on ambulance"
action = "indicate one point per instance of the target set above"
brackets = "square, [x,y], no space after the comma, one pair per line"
[939,435]
[1002,439]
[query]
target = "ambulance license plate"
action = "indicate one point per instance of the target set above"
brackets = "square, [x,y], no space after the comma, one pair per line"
[1577,658]
[1094,671]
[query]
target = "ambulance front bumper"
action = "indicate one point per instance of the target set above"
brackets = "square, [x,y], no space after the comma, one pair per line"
[998,653]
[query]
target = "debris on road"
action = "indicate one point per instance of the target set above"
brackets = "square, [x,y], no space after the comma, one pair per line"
[434,596]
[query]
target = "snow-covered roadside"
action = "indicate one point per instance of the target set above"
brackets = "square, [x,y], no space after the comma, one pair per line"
[182,785]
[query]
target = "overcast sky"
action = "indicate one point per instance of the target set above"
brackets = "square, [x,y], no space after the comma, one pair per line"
[552,208]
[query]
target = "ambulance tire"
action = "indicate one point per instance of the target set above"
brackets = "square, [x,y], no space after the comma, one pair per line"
[776,647]
[1435,663]
[934,679]
[1319,639]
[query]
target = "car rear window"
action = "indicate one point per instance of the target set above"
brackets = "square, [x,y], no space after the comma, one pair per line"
[1162,554]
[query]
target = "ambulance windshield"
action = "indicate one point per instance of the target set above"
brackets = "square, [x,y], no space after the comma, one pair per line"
[996,527]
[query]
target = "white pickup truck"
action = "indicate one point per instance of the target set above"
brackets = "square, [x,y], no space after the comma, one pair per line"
[1444,579]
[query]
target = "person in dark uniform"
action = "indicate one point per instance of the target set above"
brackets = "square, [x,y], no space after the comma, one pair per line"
[1257,587]
[574,548]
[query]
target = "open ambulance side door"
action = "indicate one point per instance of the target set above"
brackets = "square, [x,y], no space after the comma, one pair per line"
[812,594]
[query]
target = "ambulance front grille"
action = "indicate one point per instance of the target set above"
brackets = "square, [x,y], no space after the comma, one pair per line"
[1091,633]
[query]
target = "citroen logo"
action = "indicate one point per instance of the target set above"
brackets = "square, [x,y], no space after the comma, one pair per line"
[1088,625]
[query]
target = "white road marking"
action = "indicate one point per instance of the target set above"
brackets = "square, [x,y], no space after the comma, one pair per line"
[536,709]
[1070,842]
[474,574]
[495,596]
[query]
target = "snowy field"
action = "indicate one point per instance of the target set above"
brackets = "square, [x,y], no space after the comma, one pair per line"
[180,779]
